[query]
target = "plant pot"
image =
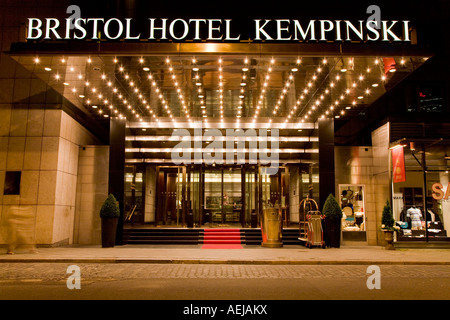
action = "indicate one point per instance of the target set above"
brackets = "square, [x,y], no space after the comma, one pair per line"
[332,233]
[389,237]
[109,229]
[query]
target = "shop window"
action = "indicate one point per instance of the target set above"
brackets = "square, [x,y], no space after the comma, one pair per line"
[414,222]
[12,183]
[352,200]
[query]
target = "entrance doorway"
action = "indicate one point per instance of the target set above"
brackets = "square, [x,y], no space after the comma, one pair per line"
[216,196]
[170,205]
[223,197]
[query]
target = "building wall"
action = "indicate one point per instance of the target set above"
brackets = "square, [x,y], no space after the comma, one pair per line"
[37,138]
[368,166]
[381,173]
[354,165]
[92,190]
[44,146]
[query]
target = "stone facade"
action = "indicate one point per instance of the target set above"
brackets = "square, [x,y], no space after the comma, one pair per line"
[42,142]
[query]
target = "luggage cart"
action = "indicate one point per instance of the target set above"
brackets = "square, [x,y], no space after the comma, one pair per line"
[315,230]
[306,207]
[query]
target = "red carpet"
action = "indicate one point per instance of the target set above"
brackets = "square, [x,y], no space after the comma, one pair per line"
[222,246]
[222,239]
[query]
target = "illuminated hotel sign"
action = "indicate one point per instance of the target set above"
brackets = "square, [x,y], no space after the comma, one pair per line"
[161,29]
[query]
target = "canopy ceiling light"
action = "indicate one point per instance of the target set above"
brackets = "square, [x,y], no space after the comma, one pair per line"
[283,89]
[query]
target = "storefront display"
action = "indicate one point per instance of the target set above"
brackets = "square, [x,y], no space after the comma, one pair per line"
[352,201]
[422,216]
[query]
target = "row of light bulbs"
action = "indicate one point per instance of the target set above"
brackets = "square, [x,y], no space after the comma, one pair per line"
[286,88]
[333,108]
[309,87]
[307,114]
[179,91]
[200,91]
[243,85]
[135,90]
[259,104]
[92,94]
[220,90]
[303,93]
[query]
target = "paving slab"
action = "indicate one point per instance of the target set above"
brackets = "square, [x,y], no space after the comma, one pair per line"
[194,254]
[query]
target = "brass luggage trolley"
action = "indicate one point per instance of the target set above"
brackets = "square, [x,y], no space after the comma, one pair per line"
[311,231]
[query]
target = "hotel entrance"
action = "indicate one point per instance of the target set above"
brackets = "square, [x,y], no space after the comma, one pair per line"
[164,109]
[223,197]
[204,196]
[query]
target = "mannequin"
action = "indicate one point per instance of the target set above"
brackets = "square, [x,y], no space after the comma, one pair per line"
[416,217]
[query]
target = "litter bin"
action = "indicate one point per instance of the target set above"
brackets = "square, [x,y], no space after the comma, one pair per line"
[271,228]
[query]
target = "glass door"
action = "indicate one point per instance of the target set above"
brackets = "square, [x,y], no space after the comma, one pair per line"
[193,195]
[171,190]
[270,192]
[134,190]
[232,196]
[222,197]
[213,196]
[250,204]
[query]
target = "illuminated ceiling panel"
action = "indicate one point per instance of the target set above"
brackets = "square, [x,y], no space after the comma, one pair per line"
[212,88]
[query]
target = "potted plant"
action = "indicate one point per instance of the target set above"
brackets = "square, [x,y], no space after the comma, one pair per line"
[332,222]
[109,213]
[387,226]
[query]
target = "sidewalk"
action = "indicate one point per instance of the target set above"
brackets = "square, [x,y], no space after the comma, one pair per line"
[194,254]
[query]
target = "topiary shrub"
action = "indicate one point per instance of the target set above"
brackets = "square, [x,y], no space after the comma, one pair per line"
[331,209]
[110,208]
[387,219]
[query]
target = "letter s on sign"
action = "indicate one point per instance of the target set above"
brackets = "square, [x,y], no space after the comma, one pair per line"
[438,194]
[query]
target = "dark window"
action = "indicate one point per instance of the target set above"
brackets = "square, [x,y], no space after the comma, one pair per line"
[12,183]
[430,99]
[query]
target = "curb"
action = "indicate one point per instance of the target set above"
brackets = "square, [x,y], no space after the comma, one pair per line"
[228,262]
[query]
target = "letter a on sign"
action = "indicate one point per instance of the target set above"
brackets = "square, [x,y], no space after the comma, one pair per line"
[398,161]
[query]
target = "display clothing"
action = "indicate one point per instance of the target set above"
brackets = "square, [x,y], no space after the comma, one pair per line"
[405,218]
[416,217]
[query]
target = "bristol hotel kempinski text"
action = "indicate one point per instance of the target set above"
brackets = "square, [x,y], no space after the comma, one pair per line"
[217,30]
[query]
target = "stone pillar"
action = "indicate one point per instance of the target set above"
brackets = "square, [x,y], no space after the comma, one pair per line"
[117,169]
[326,160]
